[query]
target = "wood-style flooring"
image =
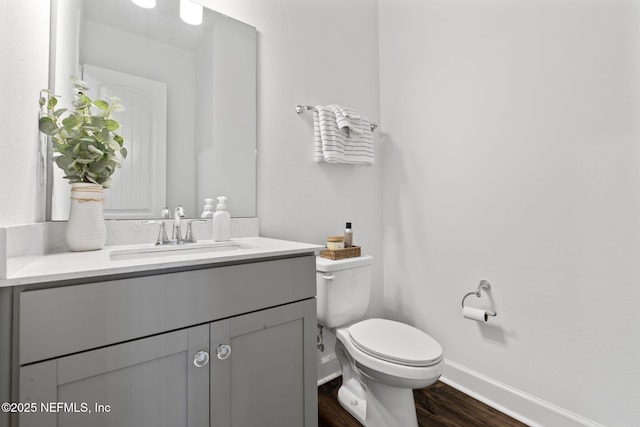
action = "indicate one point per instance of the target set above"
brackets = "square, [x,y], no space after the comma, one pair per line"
[438,405]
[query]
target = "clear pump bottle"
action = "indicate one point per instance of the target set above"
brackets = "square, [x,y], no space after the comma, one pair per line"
[221,221]
[208,211]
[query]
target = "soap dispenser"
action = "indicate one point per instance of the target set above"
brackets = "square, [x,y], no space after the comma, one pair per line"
[221,221]
[208,209]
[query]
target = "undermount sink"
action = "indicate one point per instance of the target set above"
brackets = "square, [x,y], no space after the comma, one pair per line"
[172,250]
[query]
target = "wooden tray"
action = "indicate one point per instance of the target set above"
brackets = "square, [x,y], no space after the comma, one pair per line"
[350,252]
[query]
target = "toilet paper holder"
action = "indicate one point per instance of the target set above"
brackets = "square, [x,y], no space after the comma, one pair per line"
[478,293]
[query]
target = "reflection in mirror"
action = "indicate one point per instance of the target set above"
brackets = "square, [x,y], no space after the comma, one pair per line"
[190,98]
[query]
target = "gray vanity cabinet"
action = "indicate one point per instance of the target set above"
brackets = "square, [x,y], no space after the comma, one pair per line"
[251,364]
[259,384]
[149,382]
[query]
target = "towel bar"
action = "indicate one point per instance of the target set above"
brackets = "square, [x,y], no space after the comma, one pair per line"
[302,108]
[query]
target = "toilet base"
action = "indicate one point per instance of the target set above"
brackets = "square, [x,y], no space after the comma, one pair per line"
[354,405]
[389,406]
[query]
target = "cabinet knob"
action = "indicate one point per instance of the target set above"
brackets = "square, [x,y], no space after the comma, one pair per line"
[201,358]
[224,351]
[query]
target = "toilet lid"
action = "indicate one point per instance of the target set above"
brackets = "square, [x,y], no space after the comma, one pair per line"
[395,342]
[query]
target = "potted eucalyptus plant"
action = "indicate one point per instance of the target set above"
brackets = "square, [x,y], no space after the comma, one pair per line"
[89,150]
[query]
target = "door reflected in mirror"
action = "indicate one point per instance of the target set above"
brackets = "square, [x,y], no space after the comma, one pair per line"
[189,93]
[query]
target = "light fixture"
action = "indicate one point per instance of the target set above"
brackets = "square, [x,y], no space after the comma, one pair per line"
[191,12]
[147,4]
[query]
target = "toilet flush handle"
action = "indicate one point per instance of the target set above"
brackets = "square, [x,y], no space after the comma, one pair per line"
[328,276]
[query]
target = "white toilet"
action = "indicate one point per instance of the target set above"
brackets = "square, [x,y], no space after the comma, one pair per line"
[381,360]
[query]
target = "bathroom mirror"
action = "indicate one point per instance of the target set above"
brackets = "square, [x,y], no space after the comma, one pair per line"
[189,93]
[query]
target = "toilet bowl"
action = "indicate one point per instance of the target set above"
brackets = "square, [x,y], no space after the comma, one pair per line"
[381,360]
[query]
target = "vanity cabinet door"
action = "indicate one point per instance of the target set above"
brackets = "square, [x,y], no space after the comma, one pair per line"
[263,368]
[147,382]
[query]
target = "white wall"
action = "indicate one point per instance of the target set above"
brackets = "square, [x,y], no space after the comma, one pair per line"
[313,53]
[24,70]
[512,154]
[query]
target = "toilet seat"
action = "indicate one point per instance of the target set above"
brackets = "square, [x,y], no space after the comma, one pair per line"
[395,342]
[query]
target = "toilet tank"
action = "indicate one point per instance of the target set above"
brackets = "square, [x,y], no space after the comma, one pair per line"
[343,289]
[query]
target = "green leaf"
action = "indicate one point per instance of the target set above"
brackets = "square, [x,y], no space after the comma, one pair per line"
[105,135]
[112,125]
[44,94]
[52,102]
[93,149]
[123,152]
[97,121]
[117,138]
[79,84]
[101,104]
[113,146]
[63,162]
[65,149]
[116,105]
[98,167]
[47,125]
[86,101]
[70,122]
[58,139]
[87,128]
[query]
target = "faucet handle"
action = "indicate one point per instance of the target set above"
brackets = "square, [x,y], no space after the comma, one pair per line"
[189,238]
[162,232]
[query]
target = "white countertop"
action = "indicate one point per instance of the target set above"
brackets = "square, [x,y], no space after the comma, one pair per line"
[75,265]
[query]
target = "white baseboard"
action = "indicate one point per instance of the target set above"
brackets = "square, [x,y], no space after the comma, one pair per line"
[328,368]
[508,400]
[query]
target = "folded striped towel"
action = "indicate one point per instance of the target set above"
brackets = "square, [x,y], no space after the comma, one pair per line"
[347,120]
[335,144]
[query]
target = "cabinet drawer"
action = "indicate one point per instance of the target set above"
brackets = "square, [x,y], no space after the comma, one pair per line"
[64,320]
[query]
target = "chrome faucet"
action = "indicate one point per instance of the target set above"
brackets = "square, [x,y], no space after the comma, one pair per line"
[162,233]
[190,237]
[176,236]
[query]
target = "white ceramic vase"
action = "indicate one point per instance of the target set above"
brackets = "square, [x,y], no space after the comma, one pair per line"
[86,230]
